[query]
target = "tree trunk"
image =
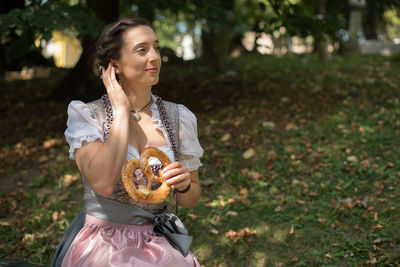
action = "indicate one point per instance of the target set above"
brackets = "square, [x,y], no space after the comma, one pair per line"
[81,80]
[216,37]
[320,38]
[371,25]
[215,46]
[5,7]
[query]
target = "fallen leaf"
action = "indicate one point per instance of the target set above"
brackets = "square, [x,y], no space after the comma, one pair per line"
[294,259]
[389,165]
[226,137]
[207,182]
[352,159]
[271,155]
[257,176]
[365,163]
[244,233]
[4,223]
[291,230]
[378,240]
[268,125]
[192,216]
[278,209]
[291,126]
[69,179]
[327,255]
[300,202]
[249,153]
[231,213]
[214,231]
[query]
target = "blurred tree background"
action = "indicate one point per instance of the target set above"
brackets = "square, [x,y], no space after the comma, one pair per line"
[298,107]
[215,29]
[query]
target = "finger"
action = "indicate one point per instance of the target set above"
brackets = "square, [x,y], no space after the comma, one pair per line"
[178,179]
[106,75]
[182,185]
[112,74]
[173,165]
[174,172]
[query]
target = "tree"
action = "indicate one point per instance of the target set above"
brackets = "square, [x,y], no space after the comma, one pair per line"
[80,82]
[374,16]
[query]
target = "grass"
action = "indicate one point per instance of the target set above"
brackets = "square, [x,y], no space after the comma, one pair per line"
[300,165]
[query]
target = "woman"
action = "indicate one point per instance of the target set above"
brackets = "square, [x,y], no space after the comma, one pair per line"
[113,229]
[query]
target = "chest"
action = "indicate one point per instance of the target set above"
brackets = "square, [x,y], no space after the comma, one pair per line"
[145,133]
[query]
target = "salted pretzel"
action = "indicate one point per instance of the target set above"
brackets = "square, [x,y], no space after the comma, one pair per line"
[144,193]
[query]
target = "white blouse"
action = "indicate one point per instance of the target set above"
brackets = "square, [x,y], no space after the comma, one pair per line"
[81,126]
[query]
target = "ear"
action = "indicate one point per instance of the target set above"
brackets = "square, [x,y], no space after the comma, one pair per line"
[115,63]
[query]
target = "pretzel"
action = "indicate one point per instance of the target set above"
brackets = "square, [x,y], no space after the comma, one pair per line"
[143,193]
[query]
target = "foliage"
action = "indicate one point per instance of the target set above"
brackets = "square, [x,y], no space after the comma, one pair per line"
[299,164]
[20,28]
[392,21]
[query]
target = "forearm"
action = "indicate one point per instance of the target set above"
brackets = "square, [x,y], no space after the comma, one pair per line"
[190,198]
[103,168]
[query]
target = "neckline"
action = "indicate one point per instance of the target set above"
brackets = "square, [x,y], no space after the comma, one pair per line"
[157,123]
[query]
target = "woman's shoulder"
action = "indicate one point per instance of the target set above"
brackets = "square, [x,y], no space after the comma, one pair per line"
[93,106]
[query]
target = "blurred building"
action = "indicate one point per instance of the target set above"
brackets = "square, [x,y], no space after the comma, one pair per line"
[64,47]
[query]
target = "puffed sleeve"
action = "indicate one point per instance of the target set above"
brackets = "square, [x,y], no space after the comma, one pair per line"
[190,150]
[81,126]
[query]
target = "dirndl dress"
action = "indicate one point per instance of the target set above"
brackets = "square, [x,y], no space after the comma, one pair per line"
[116,230]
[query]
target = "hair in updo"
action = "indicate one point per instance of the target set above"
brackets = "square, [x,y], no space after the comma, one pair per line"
[111,40]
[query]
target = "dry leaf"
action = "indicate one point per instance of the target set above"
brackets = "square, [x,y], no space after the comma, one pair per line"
[278,209]
[378,240]
[294,259]
[207,182]
[389,165]
[291,126]
[249,153]
[268,125]
[365,163]
[192,216]
[69,179]
[214,231]
[231,213]
[291,230]
[257,176]
[244,233]
[352,159]
[271,155]
[327,255]
[226,137]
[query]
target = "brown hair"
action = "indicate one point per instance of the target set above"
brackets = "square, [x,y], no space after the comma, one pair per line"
[110,42]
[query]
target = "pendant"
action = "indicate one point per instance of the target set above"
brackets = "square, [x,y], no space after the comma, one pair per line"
[136,116]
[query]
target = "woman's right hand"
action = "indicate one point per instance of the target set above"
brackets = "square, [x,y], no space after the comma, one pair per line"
[114,89]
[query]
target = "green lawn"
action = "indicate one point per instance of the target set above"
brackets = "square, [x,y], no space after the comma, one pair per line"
[300,164]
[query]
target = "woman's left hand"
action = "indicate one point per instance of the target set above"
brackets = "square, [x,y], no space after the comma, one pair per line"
[177,175]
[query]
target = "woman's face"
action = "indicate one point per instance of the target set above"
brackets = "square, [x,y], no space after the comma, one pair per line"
[140,61]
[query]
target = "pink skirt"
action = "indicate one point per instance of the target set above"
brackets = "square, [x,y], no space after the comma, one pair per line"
[104,243]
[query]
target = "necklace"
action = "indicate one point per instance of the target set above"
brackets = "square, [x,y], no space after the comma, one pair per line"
[135,113]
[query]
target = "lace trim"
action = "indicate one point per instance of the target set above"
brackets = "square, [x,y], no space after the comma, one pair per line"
[109,115]
[78,144]
[165,121]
